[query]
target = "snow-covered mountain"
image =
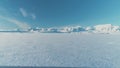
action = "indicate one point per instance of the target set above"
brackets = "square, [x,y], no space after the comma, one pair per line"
[103,28]
[107,28]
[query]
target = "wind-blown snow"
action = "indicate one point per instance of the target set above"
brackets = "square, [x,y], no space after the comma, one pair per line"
[60,49]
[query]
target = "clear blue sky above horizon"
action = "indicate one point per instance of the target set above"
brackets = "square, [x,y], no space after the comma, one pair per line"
[56,13]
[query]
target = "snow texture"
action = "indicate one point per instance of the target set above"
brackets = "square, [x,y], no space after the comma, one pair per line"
[60,50]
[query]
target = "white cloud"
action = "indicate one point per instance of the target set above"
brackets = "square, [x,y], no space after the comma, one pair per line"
[20,24]
[23,12]
[27,14]
[33,16]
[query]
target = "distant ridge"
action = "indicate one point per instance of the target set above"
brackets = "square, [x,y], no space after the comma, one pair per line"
[102,28]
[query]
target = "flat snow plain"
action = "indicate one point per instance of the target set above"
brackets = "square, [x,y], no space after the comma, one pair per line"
[60,49]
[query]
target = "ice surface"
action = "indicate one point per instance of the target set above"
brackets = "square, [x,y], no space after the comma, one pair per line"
[60,49]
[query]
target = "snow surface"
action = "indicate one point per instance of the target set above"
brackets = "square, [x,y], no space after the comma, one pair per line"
[60,49]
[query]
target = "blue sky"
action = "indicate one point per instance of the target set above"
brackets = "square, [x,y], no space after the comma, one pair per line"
[57,13]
